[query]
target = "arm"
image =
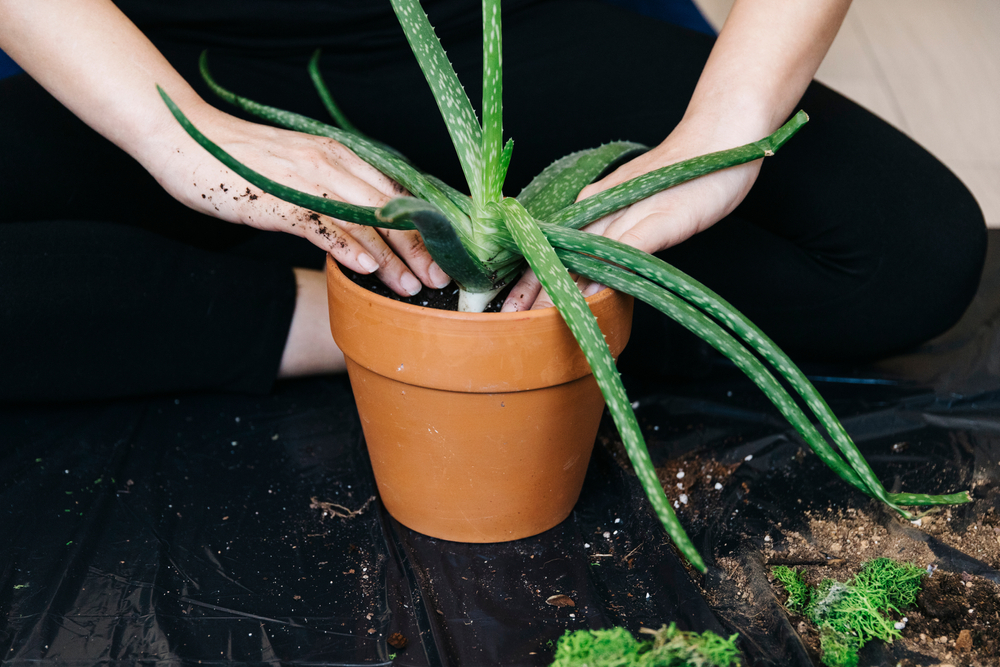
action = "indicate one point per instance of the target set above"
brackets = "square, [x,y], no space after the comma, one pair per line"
[765,57]
[89,56]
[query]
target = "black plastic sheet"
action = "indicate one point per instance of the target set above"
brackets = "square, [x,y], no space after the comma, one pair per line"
[190,530]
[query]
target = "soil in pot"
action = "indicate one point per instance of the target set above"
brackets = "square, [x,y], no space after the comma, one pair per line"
[445,298]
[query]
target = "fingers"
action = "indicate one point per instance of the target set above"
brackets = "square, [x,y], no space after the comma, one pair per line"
[527,293]
[391,269]
[523,295]
[309,164]
[409,246]
[402,260]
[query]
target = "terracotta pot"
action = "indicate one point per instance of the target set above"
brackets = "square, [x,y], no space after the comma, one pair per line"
[479,426]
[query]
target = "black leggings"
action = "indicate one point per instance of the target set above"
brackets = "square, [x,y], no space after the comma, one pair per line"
[854,243]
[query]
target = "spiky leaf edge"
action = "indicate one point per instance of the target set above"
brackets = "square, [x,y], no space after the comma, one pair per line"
[701,297]
[625,194]
[574,310]
[456,110]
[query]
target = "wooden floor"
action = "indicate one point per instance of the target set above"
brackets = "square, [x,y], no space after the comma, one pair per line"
[930,67]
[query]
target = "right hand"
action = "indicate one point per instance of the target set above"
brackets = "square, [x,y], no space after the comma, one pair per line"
[316,165]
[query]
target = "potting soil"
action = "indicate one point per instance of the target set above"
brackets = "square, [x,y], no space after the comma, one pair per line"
[224,529]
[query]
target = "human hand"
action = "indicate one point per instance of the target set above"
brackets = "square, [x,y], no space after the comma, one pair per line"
[666,218]
[316,165]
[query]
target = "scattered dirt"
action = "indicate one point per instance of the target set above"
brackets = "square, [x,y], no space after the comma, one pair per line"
[694,484]
[958,621]
[440,299]
[979,539]
[560,601]
[839,541]
[957,618]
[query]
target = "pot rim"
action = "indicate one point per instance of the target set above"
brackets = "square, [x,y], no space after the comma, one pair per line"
[466,352]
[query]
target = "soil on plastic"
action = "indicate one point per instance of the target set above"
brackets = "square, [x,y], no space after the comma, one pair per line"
[957,618]
[694,484]
[428,297]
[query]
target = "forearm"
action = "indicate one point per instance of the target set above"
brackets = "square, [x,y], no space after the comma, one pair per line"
[766,54]
[89,56]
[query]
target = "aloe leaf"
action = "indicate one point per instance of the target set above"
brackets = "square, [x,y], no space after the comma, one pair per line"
[362,215]
[715,335]
[387,161]
[703,298]
[567,298]
[459,199]
[492,100]
[460,119]
[625,194]
[508,150]
[558,185]
[324,94]
[441,240]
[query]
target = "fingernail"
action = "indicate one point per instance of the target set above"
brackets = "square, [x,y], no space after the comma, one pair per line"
[438,277]
[592,289]
[368,263]
[410,283]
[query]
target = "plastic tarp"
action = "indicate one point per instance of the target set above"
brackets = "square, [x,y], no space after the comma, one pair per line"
[223,529]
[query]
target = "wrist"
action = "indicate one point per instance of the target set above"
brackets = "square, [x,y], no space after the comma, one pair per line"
[714,126]
[160,139]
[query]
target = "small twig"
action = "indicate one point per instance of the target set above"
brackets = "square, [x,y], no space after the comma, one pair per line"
[335,510]
[801,561]
[629,555]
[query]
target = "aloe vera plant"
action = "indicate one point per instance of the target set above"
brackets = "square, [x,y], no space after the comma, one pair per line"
[484,240]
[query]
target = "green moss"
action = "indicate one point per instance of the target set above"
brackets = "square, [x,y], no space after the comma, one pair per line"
[850,614]
[669,647]
[838,649]
[799,593]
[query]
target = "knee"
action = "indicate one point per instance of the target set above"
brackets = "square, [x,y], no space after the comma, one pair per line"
[930,274]
[946,263]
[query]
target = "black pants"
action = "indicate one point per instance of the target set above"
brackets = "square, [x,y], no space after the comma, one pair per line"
[854,243]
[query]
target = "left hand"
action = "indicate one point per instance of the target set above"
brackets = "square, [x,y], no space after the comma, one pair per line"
[666,218]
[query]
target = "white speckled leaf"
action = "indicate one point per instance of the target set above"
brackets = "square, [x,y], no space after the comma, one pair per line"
[466,134]
[492,101]
[558,185]
[574,310]
[636,189]
[705,299]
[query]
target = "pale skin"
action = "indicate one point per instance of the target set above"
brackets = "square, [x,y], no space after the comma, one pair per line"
[765,56]
[89,56]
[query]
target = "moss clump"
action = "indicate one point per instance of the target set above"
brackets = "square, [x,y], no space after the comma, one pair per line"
[851,614]
[669,647]
[799,593]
